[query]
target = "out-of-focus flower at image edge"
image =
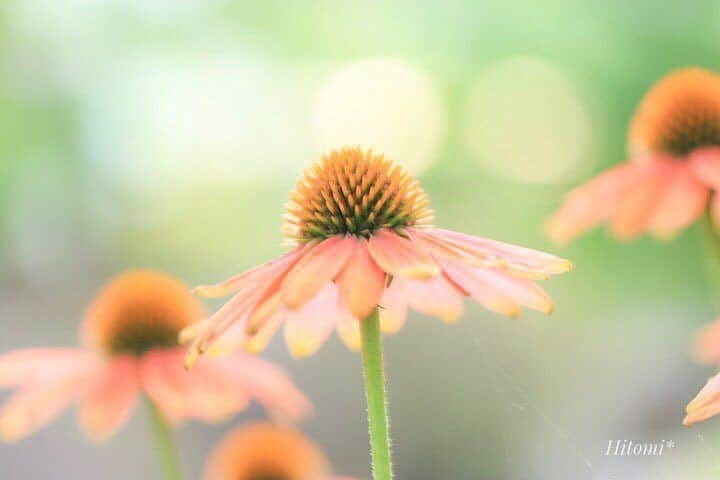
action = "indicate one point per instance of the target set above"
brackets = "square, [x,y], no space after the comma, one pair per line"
[130,346]
[674,148]
[264,451]
[364,249]
[706,351]
[671,180]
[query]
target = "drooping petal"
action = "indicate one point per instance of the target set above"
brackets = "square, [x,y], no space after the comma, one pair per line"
[684,200]
[264,382]
[36,403]
[307,328]
[241,306]
[522,291]
[258,274]
[348,329]
[361,282]
[233,313]
[111,398]
[435,297]
[400,257]
[594,202]
[637,205]
[39,365]
[316,268]
[706,404]
[494,253]
[705,164]
[482,291]
[256,343]
[393,309]
[213,397]
[164,385]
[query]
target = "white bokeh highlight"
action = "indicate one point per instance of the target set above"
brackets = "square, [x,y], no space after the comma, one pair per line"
[524,121]
[171,120]
[384,104]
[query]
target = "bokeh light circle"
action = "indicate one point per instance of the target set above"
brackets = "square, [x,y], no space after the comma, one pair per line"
[384,104]
[162,121]
[524,121]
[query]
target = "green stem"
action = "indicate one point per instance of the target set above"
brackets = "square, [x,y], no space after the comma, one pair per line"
[165,445]
[376,397]
[711,241]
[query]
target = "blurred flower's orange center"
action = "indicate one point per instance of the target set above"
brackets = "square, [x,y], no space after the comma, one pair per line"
[263,451]
[355,192]
[269,475]
[138,311]
[679,114]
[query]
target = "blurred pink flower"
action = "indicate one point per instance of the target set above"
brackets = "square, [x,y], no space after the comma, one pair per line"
[129,336]
[706,351]
[267,451]
[361,235]
[674,145]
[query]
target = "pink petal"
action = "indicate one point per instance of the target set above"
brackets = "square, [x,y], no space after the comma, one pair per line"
[238,309]
[683,202]
[522,291]
[233,313]
[393,309]
[361,282]
[266,309]
[715,209]
[316,268]
[265,382]
[213,397]
[111,398]
[400,257]
[494,253]
[258,342]
[706,349]
[435,297]
[638,204]
[164,384]
[39,365]
[180,394]
[259,274]
[348,329]
[480,289]
[594,202]
[307,328]
[705,164]
[706,404]
[36,403]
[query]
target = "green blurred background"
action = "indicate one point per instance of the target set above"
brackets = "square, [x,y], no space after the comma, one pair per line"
[168,133]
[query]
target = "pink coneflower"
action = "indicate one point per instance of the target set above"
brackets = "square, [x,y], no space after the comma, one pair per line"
[361,237]
[264,451]
[706,351]
[674,145]
[130,347]
[362,242]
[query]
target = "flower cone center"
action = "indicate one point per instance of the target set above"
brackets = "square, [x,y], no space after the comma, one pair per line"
[679,114]
[354,192]
[139,311]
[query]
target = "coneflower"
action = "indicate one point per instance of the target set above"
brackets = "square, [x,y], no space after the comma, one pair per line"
[363,249]
[130,347]
[674,166]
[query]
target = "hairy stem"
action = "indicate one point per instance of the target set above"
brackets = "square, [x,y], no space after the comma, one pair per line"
[376,397]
